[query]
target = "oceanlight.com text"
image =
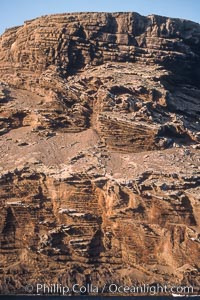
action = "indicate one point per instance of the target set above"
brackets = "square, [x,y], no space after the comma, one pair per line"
[108,288]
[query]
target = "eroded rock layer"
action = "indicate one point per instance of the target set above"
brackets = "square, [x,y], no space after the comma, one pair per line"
[100,162]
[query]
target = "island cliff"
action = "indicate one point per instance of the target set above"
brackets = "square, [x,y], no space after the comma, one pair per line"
[99,161]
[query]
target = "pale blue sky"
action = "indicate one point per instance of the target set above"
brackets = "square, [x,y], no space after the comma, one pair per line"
[14,12]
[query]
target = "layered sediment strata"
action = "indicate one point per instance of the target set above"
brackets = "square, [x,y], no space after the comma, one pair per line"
[99,139]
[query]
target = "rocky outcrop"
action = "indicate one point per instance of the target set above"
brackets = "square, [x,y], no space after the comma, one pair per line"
[99,139]
[70,41]
[162,68]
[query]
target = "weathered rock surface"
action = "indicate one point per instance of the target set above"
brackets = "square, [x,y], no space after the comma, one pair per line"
[99,160]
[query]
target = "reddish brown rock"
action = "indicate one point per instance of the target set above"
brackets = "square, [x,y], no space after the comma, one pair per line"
[99,139]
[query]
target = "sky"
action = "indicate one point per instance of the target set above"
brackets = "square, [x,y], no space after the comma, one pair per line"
[15,12]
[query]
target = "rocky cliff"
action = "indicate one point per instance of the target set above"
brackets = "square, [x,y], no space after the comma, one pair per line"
[99,138]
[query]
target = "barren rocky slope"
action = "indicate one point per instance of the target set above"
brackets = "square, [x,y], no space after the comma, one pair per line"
[100,161]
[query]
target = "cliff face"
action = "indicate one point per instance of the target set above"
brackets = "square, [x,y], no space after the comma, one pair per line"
[99,138]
